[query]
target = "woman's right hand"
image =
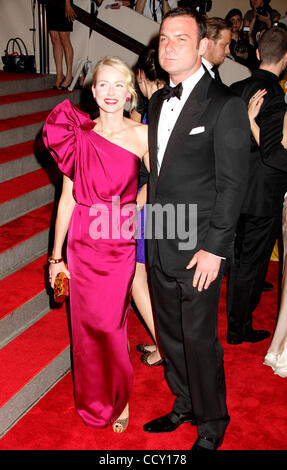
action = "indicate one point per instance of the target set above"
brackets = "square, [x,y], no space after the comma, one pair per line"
[56,268]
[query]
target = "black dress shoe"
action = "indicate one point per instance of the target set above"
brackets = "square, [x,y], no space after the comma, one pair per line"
[251,336]
[206,444]
[254,336]
[267,287]
[233,339]
[168,423]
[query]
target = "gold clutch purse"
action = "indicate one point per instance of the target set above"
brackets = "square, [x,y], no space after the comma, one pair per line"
[61,287]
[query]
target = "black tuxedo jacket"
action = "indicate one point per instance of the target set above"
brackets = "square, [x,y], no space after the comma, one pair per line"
[267,185]
[271,123]
[206,167]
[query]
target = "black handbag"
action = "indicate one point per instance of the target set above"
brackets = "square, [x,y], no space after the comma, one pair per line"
[17,61]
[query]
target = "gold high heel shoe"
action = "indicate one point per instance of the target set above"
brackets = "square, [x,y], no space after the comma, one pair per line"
[121,424]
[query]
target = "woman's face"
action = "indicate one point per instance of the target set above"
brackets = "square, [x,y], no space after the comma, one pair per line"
[110,90]
[236,21]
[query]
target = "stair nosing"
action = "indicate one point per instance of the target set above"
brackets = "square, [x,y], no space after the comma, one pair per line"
[62,363]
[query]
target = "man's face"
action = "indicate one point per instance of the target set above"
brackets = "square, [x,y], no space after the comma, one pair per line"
[256,3]
[179,51]
[218,50]
[236,21]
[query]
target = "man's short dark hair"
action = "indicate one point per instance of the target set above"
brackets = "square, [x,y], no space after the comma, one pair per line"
[188,11]
[272,45]
[214,26]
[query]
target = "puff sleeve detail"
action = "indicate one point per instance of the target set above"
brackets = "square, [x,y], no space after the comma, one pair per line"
[62,135]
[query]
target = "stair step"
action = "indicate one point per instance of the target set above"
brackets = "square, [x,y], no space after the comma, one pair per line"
[23,299]
[31,364]
[19,82]
[27,192]
[22,128]
[19,129]
[21,121]
[17,187]
[31,95]
[24,239]
[14,152]
[16,104]
[20,159]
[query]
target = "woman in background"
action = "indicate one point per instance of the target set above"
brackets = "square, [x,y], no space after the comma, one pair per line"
[150,78]
[60,25]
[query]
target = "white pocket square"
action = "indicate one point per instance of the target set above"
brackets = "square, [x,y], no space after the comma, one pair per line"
[197,130]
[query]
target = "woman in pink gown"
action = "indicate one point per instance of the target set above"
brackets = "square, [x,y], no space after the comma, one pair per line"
[100,161]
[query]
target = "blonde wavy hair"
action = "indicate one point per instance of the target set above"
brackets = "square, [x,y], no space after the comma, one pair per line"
[122,67]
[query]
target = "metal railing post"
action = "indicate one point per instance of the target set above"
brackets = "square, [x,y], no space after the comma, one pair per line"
[43,38]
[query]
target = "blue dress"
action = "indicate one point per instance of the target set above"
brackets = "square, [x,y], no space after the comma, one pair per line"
[140,256]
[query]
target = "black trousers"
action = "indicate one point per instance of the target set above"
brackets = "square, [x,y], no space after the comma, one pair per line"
[187,330]
[254,243]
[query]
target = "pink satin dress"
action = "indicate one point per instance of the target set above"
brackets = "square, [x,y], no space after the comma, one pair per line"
[101,260]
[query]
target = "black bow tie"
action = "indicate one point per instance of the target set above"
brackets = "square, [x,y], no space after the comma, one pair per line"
[169,91]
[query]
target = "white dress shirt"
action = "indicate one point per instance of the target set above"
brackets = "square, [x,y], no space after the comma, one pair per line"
[170,112]
[208,65]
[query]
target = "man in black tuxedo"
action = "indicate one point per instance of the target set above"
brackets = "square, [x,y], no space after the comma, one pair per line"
[260,221]
[199,161]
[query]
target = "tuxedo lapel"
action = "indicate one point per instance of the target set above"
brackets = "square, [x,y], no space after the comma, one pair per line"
[154,115]
[194,107]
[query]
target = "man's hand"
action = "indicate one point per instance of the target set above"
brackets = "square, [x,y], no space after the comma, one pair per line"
[206,270]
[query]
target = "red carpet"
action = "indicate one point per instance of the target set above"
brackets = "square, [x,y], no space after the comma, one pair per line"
[8,76]
[26,226]
[23,184]
[31,95]
[19,121]
[13,152]
[256,401]
[31,278]
[49,337]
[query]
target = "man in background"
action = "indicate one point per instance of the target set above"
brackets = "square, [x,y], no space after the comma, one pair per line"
[261,216]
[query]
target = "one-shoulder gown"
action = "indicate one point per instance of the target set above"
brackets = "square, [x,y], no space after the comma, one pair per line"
[101,261]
